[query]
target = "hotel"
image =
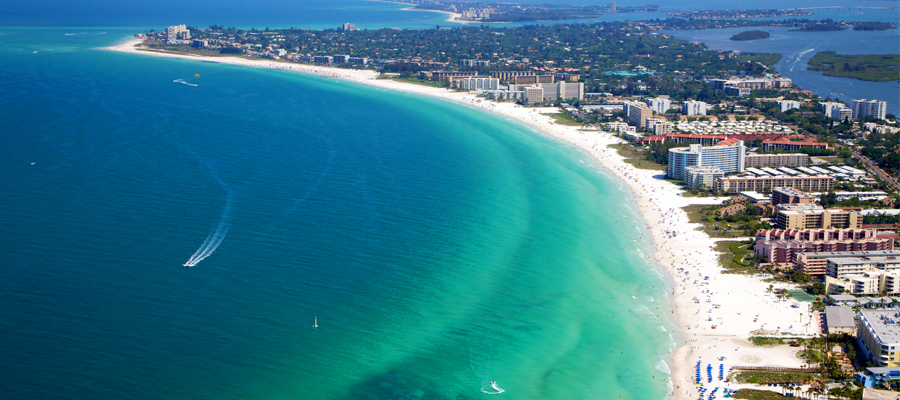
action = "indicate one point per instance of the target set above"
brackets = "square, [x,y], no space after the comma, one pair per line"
[728,158]
[878,335]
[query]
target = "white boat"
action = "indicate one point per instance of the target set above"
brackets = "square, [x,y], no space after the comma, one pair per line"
[316,323]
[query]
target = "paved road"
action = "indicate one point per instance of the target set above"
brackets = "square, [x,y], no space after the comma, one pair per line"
[891,181]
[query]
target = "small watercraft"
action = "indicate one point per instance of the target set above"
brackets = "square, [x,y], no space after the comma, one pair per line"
[316,323]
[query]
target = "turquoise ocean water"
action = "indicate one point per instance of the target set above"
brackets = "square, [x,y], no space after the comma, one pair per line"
[440,247]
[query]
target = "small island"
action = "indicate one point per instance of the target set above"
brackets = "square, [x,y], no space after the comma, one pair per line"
[750,35]
[866,67]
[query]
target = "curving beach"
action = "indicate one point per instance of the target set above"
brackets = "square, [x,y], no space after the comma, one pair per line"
[715,314]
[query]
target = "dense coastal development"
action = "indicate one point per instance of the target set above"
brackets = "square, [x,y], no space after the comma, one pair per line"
[777,219]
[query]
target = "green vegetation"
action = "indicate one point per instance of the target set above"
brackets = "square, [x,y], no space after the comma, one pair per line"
[565,118]
[750,35]
[822,26]
[766,341]
[773,377]
[873,26]
[418,81]
[757,394]
[636,157]
[734,257]
[744,221]
[866,67]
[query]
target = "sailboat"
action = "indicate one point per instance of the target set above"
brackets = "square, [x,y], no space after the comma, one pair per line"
[316,323]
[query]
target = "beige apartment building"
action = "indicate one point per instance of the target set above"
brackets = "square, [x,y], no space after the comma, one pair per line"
[817,218]
[776,160]
[878,334]
[731,184]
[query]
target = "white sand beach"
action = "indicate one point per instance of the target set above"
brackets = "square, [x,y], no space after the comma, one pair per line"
[716,314]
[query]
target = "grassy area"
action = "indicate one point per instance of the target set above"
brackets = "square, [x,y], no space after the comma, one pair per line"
[866,67]
[635,157]
[766,341]
[773,377]
[769,59]
[757,394]
[419,82]
[706,215]
[733,257]
[565,119]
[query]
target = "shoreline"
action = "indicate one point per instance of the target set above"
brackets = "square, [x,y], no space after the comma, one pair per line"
[686,255]
[451,16]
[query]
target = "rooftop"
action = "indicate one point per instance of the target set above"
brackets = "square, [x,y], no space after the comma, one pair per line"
[843,297]
[882,253]
[857,260]
[839,317]
[885,324]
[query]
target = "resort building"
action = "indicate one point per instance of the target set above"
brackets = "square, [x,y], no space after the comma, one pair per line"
[791,144]
[786,195]
[565,76]
[816,217]
[702,177]
[177,32]
[477,83]
[840,320]
[841,267]
[862,107]
[531,79]
[533,94]
[693,107]
[878,377]
[734,184]
[878,334]
[659,126]
[659,106]
[442,75]
[728,158]
[776,160]
[785,105]
[816,263]
[551,91]
[638,114]
[507,76]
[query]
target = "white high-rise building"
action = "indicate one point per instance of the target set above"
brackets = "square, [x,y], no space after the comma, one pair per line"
[785,105]
[863,107]
[659,106]
[693,107]
[729,158]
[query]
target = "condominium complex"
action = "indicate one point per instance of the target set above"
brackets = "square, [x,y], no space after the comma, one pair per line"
[776,160]
[736,184]
[816,217]
[785,105]
[815,263]
[541,92]
[477,83]
[862,107]
[638,114]
[784,195]
[659,126]
[693,107]
[728,158]
[840,320]
[750,83]
[843,267]
[659,106]
[791,144]
[878,335]
[176,32]
[531,79]
[700,177]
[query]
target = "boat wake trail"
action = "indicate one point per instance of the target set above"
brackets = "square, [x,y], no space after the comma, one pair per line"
[217,235]
[183,82]
[492,388]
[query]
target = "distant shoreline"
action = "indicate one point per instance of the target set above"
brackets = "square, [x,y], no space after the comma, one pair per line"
[451,16]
